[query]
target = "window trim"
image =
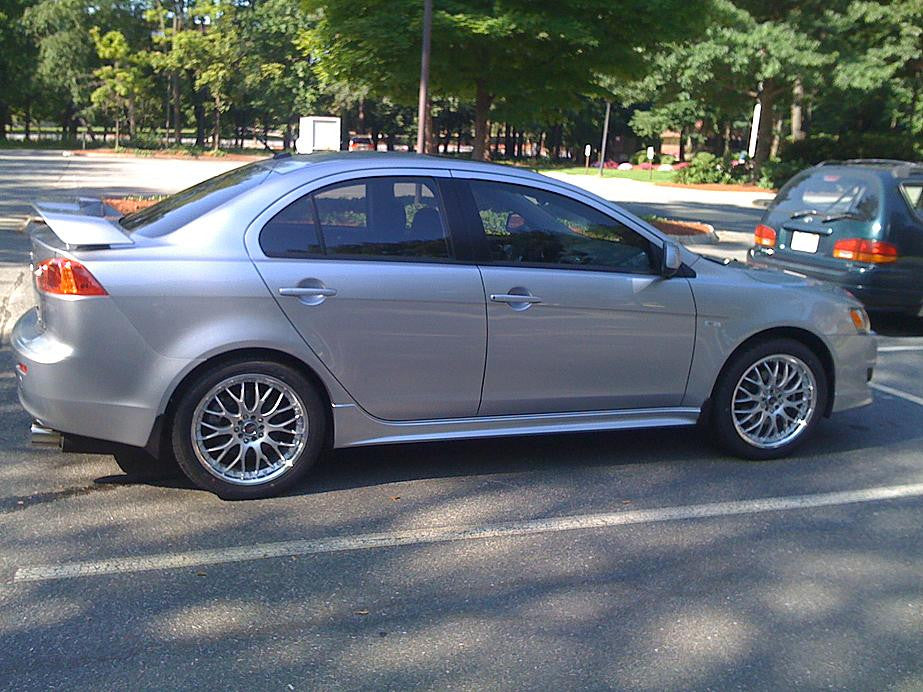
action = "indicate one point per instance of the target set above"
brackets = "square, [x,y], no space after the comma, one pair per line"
[434,177]
[656,243]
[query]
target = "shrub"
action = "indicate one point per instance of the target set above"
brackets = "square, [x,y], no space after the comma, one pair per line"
[775,173]
[862,145]
[704,168]
[641,157]
[146,140]
[666,158]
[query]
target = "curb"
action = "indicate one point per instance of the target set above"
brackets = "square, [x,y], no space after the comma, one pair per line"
[12,306]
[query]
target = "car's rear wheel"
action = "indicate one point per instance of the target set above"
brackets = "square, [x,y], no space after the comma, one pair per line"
[768,399]
[248,430]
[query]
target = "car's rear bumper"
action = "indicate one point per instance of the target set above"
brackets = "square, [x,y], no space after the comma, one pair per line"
[103,385]
[878,287]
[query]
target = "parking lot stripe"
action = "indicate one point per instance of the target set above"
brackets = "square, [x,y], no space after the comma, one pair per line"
[897,392]
[199,558]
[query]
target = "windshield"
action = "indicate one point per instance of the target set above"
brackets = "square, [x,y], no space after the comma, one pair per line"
[828,194]
[177,210]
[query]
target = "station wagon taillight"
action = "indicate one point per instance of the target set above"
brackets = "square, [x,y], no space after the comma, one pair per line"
[865,250]
[764,235]
[66,277]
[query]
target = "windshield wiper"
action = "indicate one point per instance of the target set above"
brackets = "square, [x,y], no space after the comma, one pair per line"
[844,215]
[803,212]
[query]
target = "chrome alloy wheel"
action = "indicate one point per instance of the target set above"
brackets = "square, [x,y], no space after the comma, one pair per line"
[774,401]
[249,429]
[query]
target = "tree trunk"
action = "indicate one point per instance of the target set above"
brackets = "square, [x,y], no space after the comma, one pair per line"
[776,138]
[507,140]
[798,110]
[131,119]
[287,136]
[727,137]
[767,99]
[198,108]
[118,122]
[682,144]
[216,135]
[482,101]
[4,116]
[28,118]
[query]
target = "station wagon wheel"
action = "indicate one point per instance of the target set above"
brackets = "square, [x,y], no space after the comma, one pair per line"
[768,399]
[249,430]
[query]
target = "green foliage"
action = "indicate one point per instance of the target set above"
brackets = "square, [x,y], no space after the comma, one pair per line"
[704,168]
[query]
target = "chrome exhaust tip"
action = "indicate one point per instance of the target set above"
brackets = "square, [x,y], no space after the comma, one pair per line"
[44,437]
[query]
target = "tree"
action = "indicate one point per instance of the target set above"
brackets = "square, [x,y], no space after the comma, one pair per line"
[122,80]
[542,54]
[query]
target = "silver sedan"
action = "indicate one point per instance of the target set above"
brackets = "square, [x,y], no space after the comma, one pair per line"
[248,323]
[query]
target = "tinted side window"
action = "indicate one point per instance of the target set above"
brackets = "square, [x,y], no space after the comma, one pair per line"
[525,225]
[913,193]
[385,217]
[291,232]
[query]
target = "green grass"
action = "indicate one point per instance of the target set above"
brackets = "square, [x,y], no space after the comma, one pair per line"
[634,174]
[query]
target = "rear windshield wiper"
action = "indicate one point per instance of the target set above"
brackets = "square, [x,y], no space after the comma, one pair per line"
[844,215]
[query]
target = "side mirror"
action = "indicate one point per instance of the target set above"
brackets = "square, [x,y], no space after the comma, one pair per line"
[672,261]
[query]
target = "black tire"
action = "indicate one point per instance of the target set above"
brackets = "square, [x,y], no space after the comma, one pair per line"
[720,416]
[137,463]
[313,409]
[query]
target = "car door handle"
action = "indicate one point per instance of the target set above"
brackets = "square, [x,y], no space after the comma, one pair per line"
[308,291]
[514,298]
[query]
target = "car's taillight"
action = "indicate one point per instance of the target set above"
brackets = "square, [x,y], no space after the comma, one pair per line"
[865,250]
[764,235]
[66,277]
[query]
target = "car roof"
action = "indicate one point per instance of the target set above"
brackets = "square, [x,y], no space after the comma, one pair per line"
[896,167]
[330,162]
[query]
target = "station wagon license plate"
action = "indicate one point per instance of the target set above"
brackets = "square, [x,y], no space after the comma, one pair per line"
[804,242]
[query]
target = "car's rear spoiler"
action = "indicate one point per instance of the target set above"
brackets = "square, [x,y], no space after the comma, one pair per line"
[81,222]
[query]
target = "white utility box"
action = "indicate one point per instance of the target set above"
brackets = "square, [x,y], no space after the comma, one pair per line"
[318,133]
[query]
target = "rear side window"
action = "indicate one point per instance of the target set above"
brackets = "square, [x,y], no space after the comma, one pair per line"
[375,217]
[913,193]
[826,194]
[292,232]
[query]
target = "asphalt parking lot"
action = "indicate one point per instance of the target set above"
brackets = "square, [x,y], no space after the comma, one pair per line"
[630,560]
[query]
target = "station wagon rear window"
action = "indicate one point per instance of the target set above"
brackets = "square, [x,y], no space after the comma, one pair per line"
[829,193]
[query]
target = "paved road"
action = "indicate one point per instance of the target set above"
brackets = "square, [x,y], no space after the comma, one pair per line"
[641,560]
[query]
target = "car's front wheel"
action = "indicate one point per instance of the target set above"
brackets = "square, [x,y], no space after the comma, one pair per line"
[249,430]
[768,399]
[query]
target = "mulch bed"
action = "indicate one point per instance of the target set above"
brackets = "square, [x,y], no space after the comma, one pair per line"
[128,206]
[161,154]
[721,187]
[686,228]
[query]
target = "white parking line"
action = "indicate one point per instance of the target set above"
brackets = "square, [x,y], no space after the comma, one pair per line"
[894,349]
[897,392]
[198,558]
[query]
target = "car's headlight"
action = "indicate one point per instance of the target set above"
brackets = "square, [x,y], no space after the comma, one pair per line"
[860,318]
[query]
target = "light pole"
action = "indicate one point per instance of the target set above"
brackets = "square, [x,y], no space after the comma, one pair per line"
[424,76]
[602,148]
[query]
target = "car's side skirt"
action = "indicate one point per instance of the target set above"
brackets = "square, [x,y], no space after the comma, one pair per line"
[353,427]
